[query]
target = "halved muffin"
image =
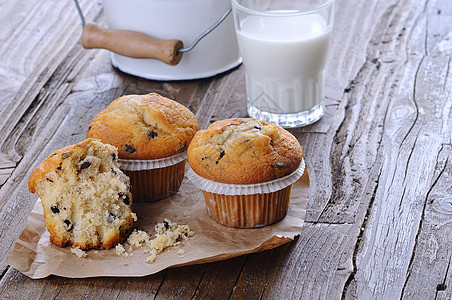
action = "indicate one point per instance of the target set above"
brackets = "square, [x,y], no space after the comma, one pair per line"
[86,198]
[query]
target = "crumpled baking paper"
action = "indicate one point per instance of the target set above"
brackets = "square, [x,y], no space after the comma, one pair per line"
[34,255]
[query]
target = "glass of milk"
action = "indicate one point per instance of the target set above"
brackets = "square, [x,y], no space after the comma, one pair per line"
[284,46]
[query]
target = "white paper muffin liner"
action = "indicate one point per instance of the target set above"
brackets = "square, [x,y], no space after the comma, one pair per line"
[141,164]
[246,189]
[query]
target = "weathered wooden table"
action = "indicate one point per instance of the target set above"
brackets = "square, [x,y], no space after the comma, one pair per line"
[379,218]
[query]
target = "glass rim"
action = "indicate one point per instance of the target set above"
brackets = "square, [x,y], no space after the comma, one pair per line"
[239,6]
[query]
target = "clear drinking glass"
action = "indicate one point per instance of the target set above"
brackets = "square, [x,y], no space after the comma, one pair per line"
[284,45]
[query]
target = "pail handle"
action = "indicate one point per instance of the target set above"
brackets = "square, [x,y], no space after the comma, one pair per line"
[136,44]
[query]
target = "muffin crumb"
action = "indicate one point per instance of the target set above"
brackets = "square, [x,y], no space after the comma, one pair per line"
[119,249]
[169,234]
[151,258]
[138,238]
[79,252]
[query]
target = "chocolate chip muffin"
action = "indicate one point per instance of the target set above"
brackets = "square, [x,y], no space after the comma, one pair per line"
[152,134]
[246,168]
[86,198]
[145,126]
[244,151]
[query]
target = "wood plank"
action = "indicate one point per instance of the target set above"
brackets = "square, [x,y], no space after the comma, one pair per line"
[219,279]
[224,99]
[353,148]
[317,265]
[15,285]
[437,35]
[39,124]
[24,74]
[258,273]
[400,201]
[181,283]
[429,271]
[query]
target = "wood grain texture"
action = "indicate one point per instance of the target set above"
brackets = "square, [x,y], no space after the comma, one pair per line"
[258,273]
[26,67]
[90,288]
[379,162]
[410,147]
[432,250]
[398,208]
[181,283]
[219,279]
[317,265]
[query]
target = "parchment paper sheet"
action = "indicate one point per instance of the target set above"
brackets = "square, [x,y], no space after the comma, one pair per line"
[34,256]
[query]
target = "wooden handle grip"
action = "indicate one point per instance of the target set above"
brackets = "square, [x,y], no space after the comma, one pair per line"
[132,44]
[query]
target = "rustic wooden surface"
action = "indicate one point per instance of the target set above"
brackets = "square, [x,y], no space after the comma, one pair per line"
[380,207]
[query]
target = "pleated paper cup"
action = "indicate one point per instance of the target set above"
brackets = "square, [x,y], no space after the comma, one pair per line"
[247,205]
[155,179]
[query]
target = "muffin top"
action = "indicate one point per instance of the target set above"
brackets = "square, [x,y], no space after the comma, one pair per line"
[55,161]
[244,151]
[145,126]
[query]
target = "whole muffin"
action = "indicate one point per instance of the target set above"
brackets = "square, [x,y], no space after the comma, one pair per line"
[244,151]
[232,153]
[86,198]
[152,134]
[145,126]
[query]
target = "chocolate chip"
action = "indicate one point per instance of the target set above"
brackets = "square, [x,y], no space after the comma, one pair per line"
[68,225]
[65,155]
[181,148]
[125,198]
[48,179]
[113,156]
[152,134]
[84,165]
[55,209]
[204,158]
[59,168]
[246,141]
[257,127]
[129,148]
[280,165]
[166,224]
[113,171]
[89,128]
[222,153]
[111,217]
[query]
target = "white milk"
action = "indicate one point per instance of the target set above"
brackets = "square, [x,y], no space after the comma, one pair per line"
[284,58]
